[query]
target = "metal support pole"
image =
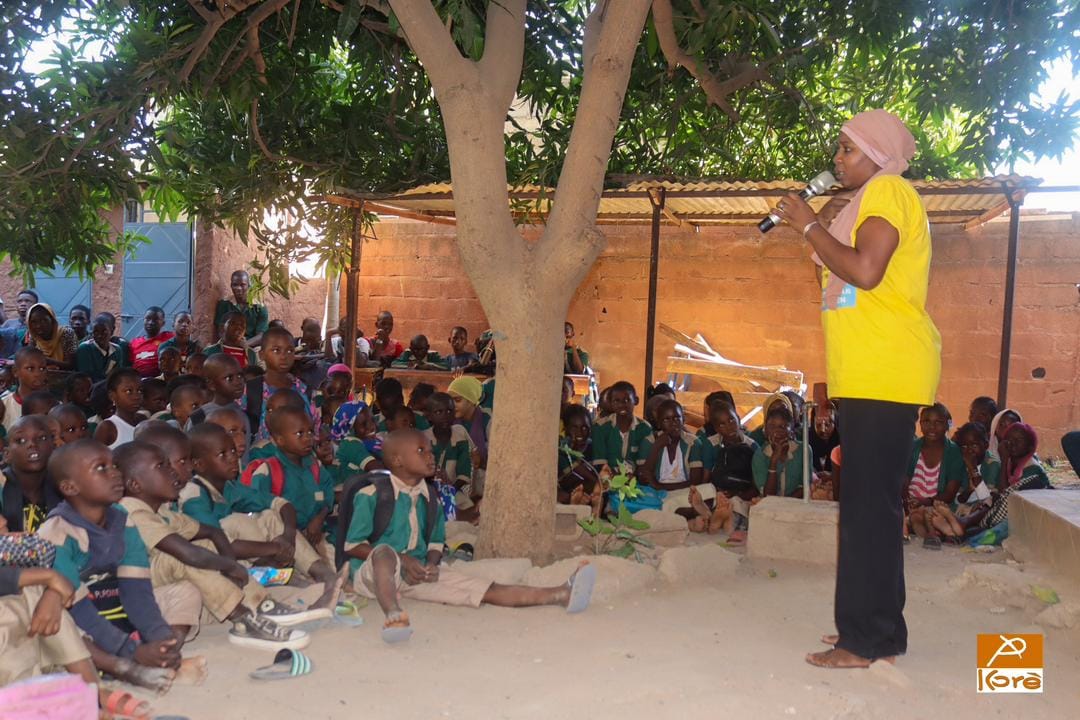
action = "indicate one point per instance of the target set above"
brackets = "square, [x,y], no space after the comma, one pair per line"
[1010,293]
[352,291]
[806,453]
[656,197]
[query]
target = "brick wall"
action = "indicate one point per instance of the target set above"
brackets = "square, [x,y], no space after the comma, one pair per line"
[218,253]
[756,300]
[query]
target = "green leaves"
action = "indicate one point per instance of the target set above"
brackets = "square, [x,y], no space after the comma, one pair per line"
[349,19]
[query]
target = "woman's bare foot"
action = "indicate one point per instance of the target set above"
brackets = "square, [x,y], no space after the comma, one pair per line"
[192,671]
[840,659]
[157,679]
[698,503]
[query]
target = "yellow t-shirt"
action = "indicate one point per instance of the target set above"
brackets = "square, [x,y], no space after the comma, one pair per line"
[881,344]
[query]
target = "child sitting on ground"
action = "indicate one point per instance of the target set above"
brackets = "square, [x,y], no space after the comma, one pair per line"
[358,448]
[419,356]
[155,397]
[453,459]
[778,465]
[26,495]
[419,396]
[183,324]
[77,390]
[226,381]
[1020,470]
[673,466]
[579,482]
[983,472]
[403,558]
[281,399]
[999,425]
[728,458]
[389,396]
[336,390]
[195,363]
[183,402]
[30,377]
[708,429]
[936,472]
[228,592]
[620,438]
[982,411]
[292,472]
[125,394]
[233,341]
[105,559]
[278,355]
[99,355]
[404,419]
[265,535]
[170,362]
[72,421]
[39,403]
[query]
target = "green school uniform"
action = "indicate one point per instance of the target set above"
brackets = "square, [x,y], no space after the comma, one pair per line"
[487,398]
[433,358]
[758,435]
[307,497]
[201,501]
[399,533]
[454,456]
[567,368]
[990,470]
[612,448]
[690,448]
[97,363]
[711,446]
[952,465]
[353,456]
[251,357]
[790,472]
[186,350]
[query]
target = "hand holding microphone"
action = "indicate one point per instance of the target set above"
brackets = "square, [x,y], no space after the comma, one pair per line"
[793,207]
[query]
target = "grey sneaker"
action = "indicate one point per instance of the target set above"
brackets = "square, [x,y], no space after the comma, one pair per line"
[286,615]
[258,632]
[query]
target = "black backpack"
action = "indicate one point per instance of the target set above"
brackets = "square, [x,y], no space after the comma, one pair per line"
[384,510]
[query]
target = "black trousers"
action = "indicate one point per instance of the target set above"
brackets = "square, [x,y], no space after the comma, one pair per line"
[875,447]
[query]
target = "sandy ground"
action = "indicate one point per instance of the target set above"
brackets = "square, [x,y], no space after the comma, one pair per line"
[731,645]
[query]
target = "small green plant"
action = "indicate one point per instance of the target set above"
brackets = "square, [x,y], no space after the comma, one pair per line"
[619,534]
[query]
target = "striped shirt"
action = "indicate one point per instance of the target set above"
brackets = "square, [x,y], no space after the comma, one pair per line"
[924,483]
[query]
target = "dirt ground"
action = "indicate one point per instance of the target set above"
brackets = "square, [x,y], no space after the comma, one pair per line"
[715,643]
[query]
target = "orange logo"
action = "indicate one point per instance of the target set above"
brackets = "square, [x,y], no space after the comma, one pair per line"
[1010,664]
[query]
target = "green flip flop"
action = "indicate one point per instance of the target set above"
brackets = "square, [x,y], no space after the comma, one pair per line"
[287,664]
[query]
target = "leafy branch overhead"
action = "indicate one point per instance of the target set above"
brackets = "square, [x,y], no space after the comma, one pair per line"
[228,108]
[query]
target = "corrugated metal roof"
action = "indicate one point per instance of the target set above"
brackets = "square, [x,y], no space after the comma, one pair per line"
[966,202]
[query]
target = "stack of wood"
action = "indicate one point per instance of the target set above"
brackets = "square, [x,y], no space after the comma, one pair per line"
[748,384]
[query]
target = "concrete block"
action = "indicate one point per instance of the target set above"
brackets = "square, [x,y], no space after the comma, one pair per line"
[1044,527]
[666,529]
[790,529]
[615,577]
[566,521]
[698,564]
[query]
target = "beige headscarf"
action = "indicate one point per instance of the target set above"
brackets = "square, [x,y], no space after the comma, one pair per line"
[884,139]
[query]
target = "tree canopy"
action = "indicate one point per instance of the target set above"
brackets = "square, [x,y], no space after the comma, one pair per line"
[230,109]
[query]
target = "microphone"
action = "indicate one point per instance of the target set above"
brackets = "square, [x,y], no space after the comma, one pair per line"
[817,186]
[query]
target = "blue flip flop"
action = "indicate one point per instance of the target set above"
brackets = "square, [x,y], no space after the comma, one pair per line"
[394,634]
[348,613]
[581,588]
[287,664]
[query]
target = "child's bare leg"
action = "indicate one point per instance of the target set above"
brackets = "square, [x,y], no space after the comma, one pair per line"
[941,525]
[384,566]
[947,514]
[332,582]
[722,518]
[577,496]
[526,596]
[698,503]
[918,523]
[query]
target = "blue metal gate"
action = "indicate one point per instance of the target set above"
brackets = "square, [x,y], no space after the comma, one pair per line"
[61,291]
[158,273]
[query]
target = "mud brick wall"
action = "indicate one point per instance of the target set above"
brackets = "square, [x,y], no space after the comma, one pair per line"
[756,300]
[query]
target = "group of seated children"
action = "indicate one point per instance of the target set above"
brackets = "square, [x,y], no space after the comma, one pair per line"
[956,488]
[161,505]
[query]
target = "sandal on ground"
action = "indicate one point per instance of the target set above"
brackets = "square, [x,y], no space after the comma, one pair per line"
[122,705]
[837,659]
[582,583]
[348,613]
[287,664]
[397,628]
[738,537]
[931,543]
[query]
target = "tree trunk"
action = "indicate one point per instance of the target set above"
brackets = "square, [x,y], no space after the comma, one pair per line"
[517,518]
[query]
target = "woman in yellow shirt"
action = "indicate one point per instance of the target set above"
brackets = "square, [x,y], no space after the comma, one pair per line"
[883,361]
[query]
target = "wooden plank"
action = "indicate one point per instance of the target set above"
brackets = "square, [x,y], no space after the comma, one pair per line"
[366,378]
[684,339]
[409,379]
[721,371]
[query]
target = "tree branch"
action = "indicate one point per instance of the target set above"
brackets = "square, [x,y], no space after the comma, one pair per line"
[430,40]
[716,91]
[571,240]
[504,49]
